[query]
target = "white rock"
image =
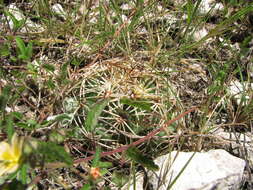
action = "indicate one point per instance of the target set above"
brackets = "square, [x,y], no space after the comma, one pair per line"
[124,18]
[170,18]
[241,144]
[179,2]
[142,30]
[205,6]
[8,109]
[83,9]
[199,34]
[58,10]
[235,88]
[28,26]
[126,7]
[160,8]
[14,10]
[215,169]
[210,5]
[238,90]
[94,18]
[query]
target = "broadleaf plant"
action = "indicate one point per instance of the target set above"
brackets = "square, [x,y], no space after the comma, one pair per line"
[94,113]
[24,52]
[51,152]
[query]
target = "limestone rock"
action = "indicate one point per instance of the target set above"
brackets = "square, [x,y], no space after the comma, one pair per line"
[58,10]
[240,91]
[215,169]
[199,34]
[210,7]
[240,143]
[27,26]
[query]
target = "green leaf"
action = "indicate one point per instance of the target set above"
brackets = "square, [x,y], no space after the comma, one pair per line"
[103,171]
[137,156]
[3,102]
[50,84]
[49,67]
[96,157]
[5,97]
[21,45]
[63,73]
[25,53]
[143,105]
[23,174]
[29,50]
[17,115]
[62,117]
[52,152]
[94,113]
[75,62]
[104,164]
[9,127]
[119,178]
[27,125]
[23,56]
[32,68]
[4,50]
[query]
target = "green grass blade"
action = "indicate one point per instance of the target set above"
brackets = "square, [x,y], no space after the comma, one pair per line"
[180,173]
